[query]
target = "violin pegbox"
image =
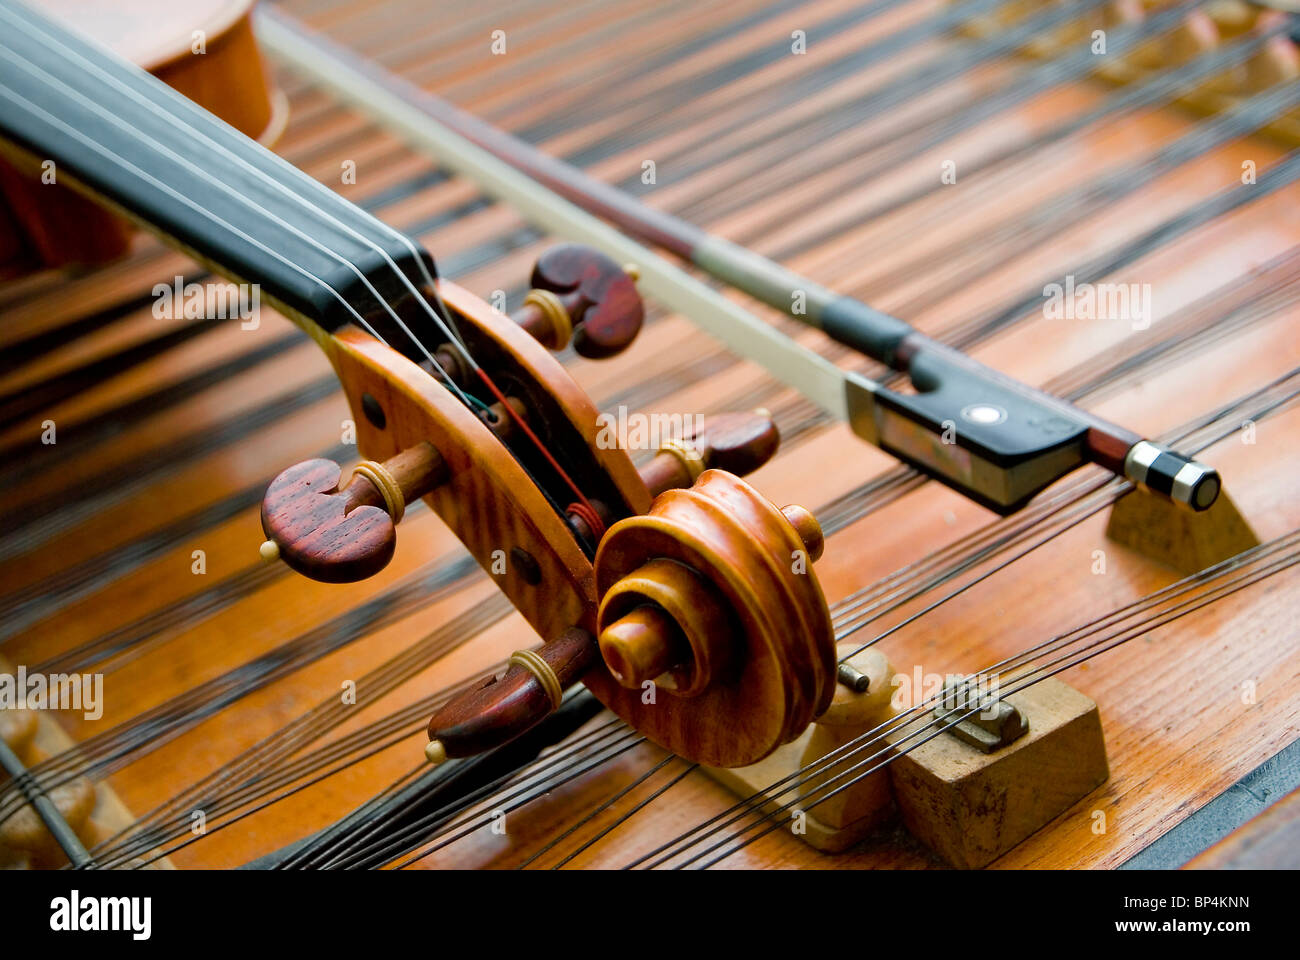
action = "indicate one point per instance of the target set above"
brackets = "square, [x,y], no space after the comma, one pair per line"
[494,471]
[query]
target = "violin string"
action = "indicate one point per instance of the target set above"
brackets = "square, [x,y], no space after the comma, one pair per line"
[32,108]
[450,383]
[116,159]
[184,106]
[447,326]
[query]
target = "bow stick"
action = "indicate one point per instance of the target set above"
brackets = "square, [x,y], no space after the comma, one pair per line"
[986,435]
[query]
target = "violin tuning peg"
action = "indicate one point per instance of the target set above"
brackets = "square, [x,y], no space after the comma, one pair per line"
[343,535]
[739,443]
[501,708]
[599,300]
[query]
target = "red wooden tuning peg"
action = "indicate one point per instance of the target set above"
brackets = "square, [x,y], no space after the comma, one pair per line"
[739,443]
[599,295]
[340,536]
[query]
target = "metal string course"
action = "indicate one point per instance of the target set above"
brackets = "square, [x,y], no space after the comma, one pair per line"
[421,261]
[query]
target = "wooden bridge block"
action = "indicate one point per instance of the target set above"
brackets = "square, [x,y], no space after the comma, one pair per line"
[840,821]
[1187,541]
[971,807]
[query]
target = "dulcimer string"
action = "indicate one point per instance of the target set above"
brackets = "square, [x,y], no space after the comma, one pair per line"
[1076,503]
[116,747]
[1165,79]
[457,829]
[927,586]
[837,756]
[1183,331]
[477,823]
[1002,164]
[267,766]
[1273,401]
[1042,510]
[936,727]
[946,563]
[1258,562]
[875,737]
[1016,233]
[334,856]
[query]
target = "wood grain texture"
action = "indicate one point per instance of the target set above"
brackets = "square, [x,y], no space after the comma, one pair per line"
[1178,731]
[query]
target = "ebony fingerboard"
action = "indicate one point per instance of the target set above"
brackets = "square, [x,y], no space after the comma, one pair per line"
[134,141]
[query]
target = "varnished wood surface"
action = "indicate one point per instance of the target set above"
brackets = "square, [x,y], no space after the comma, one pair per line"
[205,49]
[1178,728]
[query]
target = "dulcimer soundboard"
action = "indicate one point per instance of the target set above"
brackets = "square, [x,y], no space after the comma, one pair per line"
[822,434]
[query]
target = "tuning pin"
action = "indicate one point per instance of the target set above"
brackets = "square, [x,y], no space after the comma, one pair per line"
[581,294]
[343,535]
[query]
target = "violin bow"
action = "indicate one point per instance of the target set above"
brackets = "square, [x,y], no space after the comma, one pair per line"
[992,438]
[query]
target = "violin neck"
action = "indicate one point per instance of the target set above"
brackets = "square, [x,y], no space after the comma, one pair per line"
[116,131]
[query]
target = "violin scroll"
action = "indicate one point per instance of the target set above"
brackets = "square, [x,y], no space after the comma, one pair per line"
[710,600]
[709,603]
